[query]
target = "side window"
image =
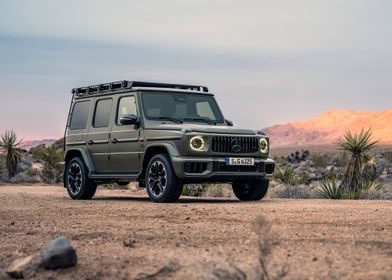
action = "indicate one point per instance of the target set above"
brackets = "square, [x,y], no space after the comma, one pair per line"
[80,115]
[126,106]
[204,110]
[103,110]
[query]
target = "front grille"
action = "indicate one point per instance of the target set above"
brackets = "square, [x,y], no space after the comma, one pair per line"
[269,168]
[234,144]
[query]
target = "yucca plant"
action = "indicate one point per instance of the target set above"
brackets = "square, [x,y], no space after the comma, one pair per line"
[329,188]
[285,175]
[10,145]
[358,145]
[370,184]
[2,164]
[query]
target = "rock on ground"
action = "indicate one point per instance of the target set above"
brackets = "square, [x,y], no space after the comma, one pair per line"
[21,268]
[4,276]
[59,254]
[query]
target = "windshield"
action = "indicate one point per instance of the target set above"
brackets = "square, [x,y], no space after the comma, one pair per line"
[181,107]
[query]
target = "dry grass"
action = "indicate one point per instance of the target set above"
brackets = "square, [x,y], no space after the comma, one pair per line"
[266,241]
[278,190]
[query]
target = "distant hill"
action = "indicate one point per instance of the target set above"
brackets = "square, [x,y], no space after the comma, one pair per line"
[327,127]
[28,144]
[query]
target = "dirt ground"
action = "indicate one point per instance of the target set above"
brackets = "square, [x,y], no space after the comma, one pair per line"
[319,239]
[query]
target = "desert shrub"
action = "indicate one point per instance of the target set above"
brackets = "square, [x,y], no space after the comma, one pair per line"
[285,175]
[33,172]
[387,155]
[51,157]
[289,191]
[23,178]
[385,192]
[319,160]
[196,190]
[341,159]
[329,188]
[266,241]
[298,156]
[218,190]
[115,186]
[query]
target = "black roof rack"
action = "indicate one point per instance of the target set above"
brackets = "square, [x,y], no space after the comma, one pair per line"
[121,85]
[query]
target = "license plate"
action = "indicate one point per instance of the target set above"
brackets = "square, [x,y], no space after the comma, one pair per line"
[240,161]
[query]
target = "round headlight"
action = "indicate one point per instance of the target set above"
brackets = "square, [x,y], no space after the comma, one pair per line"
[263,145]
[197,143]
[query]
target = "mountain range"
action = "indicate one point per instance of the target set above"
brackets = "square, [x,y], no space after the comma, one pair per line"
[329,126]
[324,129]
[28,144]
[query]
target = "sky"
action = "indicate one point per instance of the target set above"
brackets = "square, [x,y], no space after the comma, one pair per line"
[267,62]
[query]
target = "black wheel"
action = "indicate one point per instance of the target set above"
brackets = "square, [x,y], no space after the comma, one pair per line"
[160,180]
[76,180]
[253,190]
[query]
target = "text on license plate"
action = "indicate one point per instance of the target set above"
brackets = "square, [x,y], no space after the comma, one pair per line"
[240,161]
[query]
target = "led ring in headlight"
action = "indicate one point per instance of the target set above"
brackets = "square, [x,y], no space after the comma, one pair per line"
[197,143]
[263,145]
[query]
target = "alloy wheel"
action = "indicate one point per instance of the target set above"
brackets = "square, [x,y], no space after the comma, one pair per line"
[75,178]
[157,178]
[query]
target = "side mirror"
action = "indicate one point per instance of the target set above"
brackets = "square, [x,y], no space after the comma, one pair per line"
[229,122]
[128,119]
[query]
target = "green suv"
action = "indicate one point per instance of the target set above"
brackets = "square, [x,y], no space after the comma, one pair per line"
[163,136]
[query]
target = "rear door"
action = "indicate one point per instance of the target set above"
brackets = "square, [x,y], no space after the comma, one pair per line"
[125,139]
[99,134]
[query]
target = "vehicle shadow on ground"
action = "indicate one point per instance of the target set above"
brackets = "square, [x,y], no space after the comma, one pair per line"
[186,200]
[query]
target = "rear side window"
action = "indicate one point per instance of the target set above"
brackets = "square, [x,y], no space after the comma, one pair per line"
[80,114]
[103,110]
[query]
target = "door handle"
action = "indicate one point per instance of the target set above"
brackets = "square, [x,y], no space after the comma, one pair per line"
[90,142]
[114,141]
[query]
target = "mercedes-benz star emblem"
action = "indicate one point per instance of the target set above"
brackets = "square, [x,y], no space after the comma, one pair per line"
[235,145]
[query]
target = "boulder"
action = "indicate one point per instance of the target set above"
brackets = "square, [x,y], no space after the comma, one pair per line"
[59,254]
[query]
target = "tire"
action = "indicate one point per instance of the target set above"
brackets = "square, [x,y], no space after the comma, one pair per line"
[253,190]
[161,183]
[76,180]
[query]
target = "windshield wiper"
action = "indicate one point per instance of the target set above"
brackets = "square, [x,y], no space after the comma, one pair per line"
[168,119]
[200,119]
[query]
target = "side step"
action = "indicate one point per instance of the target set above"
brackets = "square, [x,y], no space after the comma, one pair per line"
[113,176]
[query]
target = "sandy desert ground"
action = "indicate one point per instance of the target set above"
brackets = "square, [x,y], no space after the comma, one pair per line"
[122,235]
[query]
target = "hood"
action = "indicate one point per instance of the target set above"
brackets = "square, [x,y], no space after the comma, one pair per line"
[202,128]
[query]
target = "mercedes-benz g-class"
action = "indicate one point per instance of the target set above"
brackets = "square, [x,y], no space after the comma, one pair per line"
[163,136]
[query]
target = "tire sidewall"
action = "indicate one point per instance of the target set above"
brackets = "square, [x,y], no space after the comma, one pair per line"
[83,187]
[173,188]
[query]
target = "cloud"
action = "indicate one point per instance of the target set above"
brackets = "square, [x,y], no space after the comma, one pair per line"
[255,25]
[267,61]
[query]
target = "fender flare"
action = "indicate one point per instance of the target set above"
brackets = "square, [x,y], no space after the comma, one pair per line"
[81,152]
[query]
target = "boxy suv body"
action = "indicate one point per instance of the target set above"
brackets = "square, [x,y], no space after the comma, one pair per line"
[162,135]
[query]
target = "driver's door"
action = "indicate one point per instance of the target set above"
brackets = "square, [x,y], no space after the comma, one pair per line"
[125,139]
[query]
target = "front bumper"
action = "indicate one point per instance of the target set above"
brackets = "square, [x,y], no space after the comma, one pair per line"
[214,169]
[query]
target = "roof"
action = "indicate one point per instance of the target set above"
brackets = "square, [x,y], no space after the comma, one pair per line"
[118,86]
